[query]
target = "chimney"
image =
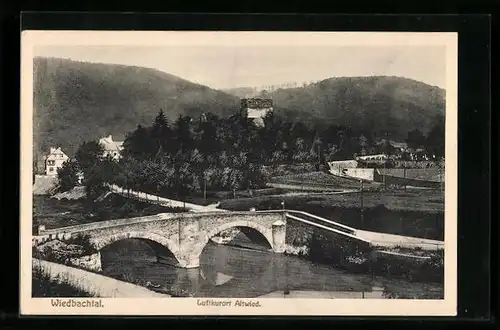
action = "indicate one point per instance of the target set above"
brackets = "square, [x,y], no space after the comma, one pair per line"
[110,137]
[52,150]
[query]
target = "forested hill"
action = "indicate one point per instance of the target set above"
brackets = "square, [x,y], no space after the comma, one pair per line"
[78,101]
[376,104]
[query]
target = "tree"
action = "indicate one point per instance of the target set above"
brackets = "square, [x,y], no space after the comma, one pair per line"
[67,175]
[183,137]
[138,144]
[160,132]
[385,147]
[317,149]
[270,137]
[88,156]
[415,139]
[300,130]
[207,139]
[94,179]
[435,141]
[363,144]
[332,153]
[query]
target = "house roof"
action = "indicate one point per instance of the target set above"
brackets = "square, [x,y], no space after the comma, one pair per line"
[56,153]
[370,156]
[109,145]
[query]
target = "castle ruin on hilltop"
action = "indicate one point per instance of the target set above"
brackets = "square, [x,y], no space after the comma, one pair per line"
[256,109]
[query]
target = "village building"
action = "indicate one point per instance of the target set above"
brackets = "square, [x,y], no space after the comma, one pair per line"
[54,161]
[111,148]
[373,157]
[256,109]
[401,146]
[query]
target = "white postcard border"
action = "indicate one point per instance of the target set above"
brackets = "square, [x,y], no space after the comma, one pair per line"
[268,306]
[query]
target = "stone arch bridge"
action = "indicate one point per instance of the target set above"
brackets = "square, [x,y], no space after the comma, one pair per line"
[182,236]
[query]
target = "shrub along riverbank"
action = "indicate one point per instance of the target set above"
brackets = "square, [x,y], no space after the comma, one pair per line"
[355,256]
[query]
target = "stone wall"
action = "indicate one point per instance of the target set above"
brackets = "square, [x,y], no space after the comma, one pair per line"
[336,167]
[323,246]
[361,173]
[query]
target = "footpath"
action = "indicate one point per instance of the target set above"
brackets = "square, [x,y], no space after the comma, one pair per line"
[391,241]
[153,199]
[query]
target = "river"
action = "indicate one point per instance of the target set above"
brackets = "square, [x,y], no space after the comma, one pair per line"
[246,270]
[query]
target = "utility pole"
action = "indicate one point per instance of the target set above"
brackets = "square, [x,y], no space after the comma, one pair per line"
[440,177]
[319,157]
[204,188]
[361,202]
[385,173]
[404,175]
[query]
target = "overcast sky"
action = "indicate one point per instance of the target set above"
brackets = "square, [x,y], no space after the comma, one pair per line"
[227,67]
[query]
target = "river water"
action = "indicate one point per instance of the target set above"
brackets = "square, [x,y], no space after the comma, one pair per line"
[246,270]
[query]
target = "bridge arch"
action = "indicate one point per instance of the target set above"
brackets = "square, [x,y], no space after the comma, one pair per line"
[265,231]
[161,245]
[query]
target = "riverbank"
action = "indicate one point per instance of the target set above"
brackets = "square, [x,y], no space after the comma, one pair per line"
[56,280]
[44,285]
[361,257]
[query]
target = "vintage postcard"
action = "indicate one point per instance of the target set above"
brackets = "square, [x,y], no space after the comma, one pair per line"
[238,173]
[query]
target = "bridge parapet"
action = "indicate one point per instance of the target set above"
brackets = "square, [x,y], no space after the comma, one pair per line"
[184,235]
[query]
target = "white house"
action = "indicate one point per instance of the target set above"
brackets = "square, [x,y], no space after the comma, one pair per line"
[373,157]
[54,161]
[111,148]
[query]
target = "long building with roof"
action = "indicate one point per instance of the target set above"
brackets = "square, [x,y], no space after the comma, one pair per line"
[111,148]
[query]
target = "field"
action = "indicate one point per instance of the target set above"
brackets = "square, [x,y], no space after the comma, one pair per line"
[411,200]
[321,180]
[212,197]
[418,213]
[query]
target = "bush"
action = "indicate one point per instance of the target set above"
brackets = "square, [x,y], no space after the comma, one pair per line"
[338,250]
[84,241]
[411,269]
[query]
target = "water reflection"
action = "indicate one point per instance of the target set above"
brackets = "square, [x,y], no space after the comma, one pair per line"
[242,271]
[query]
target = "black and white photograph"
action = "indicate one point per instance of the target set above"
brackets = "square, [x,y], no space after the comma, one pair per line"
[238,173]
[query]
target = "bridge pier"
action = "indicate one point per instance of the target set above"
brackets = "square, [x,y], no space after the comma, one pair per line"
[188,260]
[279,235]
[190,244]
